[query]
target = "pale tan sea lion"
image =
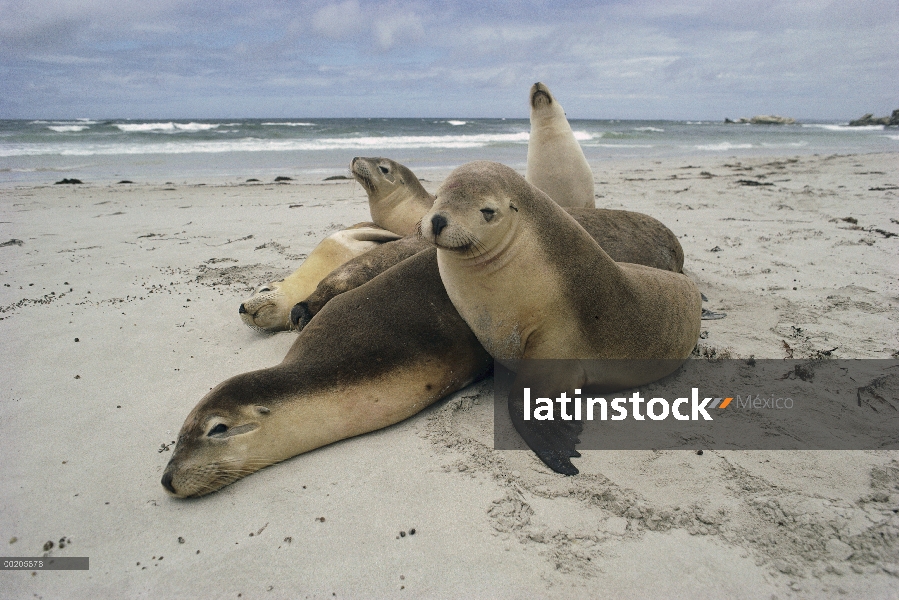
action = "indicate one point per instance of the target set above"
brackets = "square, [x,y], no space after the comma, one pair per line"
[532,284]
[556,162]
[269,307]
[396,198]
[372,357]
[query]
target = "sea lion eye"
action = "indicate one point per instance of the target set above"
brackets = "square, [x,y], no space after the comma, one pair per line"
[488,213]
[218,429]
[384,169]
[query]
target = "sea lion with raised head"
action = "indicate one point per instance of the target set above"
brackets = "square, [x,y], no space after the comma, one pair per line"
[556,161]
[268,309]
[532,284]
[396,198]
[372,357]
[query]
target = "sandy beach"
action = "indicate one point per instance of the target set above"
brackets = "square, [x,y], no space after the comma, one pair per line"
[118,312]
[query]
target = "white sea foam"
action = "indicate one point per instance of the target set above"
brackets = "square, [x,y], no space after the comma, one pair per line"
[723,147]
[261,145]
[892,137]
[845,127]
[165,127]
[785,145]
[621,145]
[457,122]
[68,128]
[299,124]
[582,136]
[655,129]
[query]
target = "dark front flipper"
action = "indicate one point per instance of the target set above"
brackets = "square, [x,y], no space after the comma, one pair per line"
[355,273]
[553,441]
[300,315]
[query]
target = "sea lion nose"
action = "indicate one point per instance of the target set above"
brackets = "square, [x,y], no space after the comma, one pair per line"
[242,310]
[167,482]
[438,223]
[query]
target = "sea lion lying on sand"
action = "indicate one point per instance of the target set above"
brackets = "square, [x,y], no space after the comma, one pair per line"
[268,309]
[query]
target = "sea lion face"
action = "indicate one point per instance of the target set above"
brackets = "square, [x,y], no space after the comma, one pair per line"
[379,176]
[217,445]
[543,104]
[472,215]
[265,309]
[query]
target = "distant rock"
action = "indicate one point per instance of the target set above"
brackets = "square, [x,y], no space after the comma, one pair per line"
[283,178]
[335,177]
[763,120]
[869,119]
[771,120]
[68,181]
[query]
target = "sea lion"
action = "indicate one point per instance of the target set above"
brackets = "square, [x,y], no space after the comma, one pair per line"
[372,357]
[396,198]
[269,307]
[556,162]
[398,201]
[532,284]
[626,236]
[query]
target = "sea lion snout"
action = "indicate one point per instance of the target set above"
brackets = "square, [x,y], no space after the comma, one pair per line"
[242,310]
[167,482]
[540,95]
[438,224]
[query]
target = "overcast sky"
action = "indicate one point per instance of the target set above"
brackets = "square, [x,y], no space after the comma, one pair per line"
[671,59]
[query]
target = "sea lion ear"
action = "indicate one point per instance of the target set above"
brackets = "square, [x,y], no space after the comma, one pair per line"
[262,410]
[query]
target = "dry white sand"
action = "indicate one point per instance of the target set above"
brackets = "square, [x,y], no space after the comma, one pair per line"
[119,311]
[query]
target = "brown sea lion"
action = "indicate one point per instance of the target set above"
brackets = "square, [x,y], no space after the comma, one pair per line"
[396,198]
[372,357]
[533,284]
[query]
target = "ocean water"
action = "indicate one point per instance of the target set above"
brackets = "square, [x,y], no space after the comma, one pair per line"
[232,149]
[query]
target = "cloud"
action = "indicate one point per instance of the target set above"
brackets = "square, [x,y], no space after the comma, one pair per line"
[611,58]
[398,25]
[339,21]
